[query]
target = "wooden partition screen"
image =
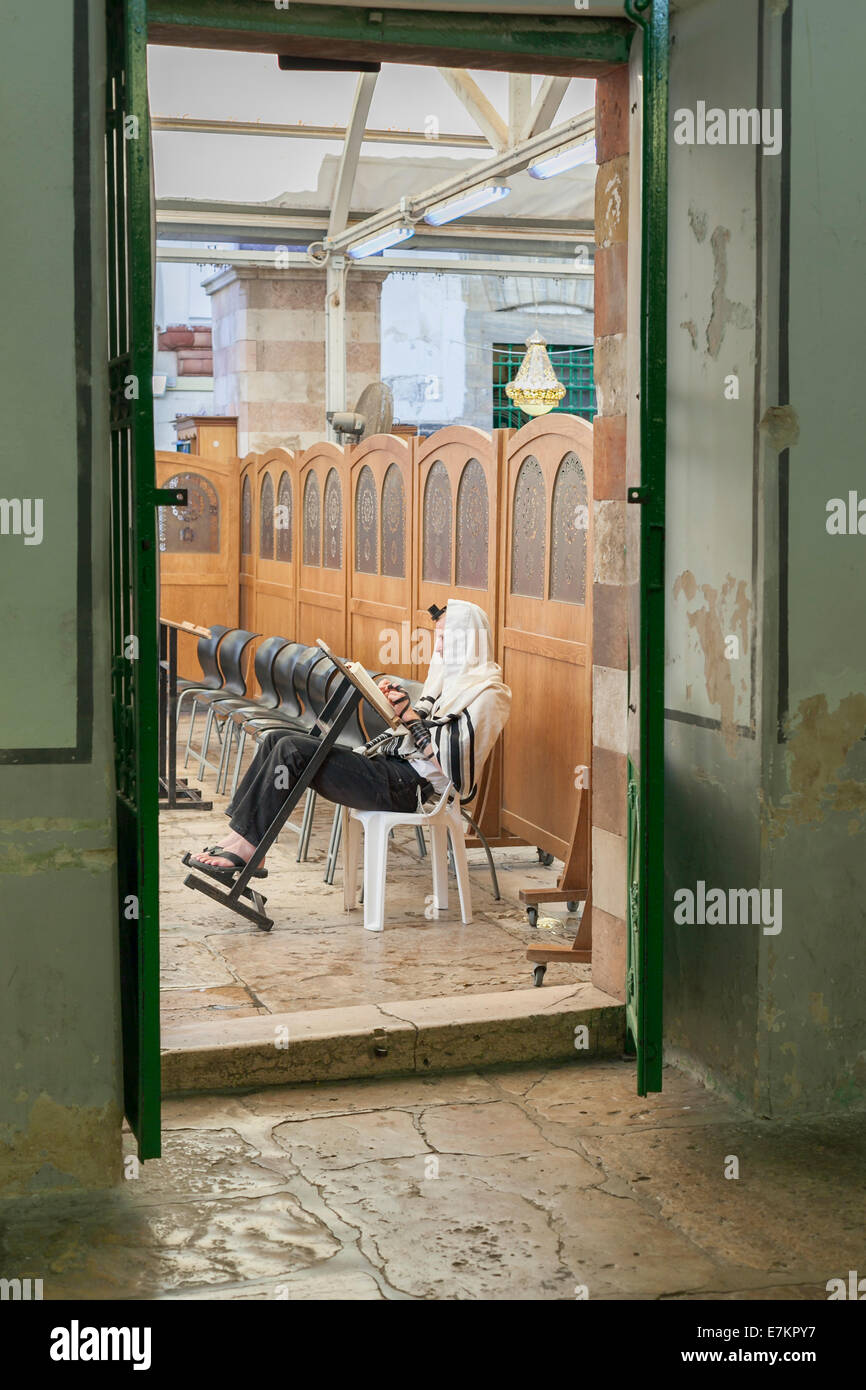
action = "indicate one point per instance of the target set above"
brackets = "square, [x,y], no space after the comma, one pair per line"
[380,557]
[323,565]
[198,547]
[546,634]
[248,542]
[456,534]
[276,545]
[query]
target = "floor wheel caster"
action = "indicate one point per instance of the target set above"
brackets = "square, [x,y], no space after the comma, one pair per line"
[532,914]
[545,858]
[538,973]
[572,907]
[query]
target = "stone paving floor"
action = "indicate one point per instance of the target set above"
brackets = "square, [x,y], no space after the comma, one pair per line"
[215,965]
[531,1183]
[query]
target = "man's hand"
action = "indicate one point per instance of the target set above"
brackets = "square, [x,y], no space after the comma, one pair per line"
[398,698]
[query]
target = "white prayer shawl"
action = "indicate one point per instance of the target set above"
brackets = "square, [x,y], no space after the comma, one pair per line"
[464,703]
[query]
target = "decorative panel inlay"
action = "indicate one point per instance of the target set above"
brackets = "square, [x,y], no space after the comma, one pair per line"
[437,525]
[472,528]
[333,542]
[528,531]
[266,519]
[366,527]
[247,518]
[195,528]
[312,520]
[568,533]
[284,519]
[393,524]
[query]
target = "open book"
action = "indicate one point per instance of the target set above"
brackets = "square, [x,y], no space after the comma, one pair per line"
[362,681]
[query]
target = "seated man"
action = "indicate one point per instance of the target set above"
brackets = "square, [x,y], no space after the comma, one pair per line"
[460,713]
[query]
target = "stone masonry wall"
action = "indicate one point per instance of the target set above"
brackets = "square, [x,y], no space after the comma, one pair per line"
[610,652]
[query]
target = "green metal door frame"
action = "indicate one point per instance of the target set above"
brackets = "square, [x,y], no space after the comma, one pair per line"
[529,43]
[134,560]
[646,791]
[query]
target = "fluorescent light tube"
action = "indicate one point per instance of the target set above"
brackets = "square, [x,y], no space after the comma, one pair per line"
[548,165]
[470,201]
[380,241]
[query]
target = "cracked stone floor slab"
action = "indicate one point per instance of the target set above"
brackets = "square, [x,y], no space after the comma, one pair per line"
[522,1183]
[215,965]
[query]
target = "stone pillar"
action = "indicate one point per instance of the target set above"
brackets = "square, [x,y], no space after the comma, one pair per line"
[269,351]
[610,651]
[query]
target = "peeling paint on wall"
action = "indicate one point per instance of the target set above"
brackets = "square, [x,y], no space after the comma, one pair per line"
[726,614]
[87,1137]
[698,224]
[817,748]
[781,425]
[692,329]
[724,310]
[16,860]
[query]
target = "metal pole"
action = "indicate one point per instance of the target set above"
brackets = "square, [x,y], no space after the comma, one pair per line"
[335,334]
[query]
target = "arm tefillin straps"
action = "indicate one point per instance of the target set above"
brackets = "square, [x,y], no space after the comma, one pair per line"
[420,734]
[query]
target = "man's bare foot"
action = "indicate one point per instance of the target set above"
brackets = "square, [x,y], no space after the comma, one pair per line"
[233,844]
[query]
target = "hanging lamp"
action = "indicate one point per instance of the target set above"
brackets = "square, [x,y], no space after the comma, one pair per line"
[536,389]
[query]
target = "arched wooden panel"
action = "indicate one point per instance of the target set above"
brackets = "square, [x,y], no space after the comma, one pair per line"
[380,579]
[198,547]
[322,493]
[276,580]
[249,542]
[456,533]
[546,630]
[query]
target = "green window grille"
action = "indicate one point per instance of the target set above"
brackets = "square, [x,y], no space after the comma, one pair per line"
[573,366]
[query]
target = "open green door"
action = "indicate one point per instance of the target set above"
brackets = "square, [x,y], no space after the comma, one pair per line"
[134,560]
[645,540]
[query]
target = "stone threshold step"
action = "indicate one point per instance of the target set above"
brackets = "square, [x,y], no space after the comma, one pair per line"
[417,1036]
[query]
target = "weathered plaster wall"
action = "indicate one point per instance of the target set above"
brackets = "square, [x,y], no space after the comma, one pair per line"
[59,1013]
[815,808]
[774,1018]
[712,755]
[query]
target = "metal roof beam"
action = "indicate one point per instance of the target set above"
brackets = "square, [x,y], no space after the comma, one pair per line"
[509,162]
[297,260]
[364,89]
[197,125]
[545,107]
[482,111]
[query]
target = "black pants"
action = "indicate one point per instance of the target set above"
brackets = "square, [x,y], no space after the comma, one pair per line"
[367,784]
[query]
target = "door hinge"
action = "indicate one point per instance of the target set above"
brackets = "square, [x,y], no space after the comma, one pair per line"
[637,494]
[169,496]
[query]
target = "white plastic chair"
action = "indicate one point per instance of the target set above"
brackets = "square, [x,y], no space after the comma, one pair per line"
[443,819]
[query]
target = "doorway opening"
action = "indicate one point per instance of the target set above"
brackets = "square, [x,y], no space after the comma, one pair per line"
[543,469]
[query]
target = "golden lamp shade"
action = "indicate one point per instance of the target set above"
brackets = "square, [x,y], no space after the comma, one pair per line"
[536,388]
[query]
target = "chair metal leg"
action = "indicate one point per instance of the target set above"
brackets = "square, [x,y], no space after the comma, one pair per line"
[490,864]
[225,751]
[334,845]
[192,719]
[206,741]
[422,844]
[242,739]
[306,825]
